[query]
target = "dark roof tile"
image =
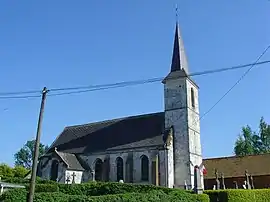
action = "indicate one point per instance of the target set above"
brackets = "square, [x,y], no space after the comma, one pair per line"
[100,136]
[71,161]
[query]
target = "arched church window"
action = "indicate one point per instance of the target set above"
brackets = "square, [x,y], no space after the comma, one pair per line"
[98,170]
[54,170]
[192,98]
[144,168]
[120,168]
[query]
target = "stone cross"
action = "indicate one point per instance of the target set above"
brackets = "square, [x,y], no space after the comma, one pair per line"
[247,180]
[217,180]
[252,183]
[197,180]
[68,179]
[73,177]
[222,181]
[235,184]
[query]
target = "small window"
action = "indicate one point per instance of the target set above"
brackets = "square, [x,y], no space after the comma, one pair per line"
[192,98]
[144,168]
[120,169]
[54,170]
[98,169]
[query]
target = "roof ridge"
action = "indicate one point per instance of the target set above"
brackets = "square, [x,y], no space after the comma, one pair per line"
[230,157]
[114,119]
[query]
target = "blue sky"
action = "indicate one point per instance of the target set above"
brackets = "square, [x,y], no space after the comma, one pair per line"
[64,44]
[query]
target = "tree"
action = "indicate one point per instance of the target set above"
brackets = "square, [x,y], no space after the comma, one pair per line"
[5,171]
[24,157]
[20,171]
[250,142]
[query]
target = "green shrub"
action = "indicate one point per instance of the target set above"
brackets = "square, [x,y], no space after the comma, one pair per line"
[17,180]
[19,195]
[44,188]
[239,195]
[14,195]
[103,188]
[155,196]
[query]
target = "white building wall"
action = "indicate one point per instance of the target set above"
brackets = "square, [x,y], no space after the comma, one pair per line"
[69,174]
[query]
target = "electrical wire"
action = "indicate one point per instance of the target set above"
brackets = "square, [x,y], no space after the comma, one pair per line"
[90,88]
[235,84]
[152,80]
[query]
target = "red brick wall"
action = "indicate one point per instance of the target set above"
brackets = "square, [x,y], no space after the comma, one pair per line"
[259,182]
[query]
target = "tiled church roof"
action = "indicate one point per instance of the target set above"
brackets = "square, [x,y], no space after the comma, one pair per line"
[235,166]
[71,161]
[100,136]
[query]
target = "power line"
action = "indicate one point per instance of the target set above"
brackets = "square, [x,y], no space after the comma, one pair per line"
[20,97]
[152,80]
[83,89]
[237,82]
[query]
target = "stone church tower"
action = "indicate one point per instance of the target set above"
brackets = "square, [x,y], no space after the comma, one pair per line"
[182,113]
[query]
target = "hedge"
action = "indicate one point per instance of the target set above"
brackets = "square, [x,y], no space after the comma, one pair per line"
[44,188]
[16,180]
[239,195]
[103,188]
[17,195]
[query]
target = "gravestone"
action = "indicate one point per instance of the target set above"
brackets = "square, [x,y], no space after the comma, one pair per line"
[217,180]
[235,184]
[68,179]
[73,177]
[93,175]
[186,186]
[247,180]
[252,183]
[197,181]
[222,181]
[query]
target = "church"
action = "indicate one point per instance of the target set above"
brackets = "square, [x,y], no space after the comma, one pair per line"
[160,148]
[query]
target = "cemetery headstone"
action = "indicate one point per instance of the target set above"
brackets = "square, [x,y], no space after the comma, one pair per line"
[252,182]
[222,181]
[235,184]
[217,180]
[186,186]
[73,177]
[68,179]
[247,180]
[93,175]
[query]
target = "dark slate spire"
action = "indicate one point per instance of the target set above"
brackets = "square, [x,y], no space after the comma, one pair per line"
[179,60]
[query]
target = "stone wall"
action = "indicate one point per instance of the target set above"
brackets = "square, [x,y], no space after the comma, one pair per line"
[135,155]
[46,170]
[195,149]
[184,117]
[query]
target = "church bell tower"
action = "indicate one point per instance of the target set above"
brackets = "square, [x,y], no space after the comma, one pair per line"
[182,113]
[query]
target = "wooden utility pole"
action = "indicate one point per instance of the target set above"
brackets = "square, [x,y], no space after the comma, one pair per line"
[36,151]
